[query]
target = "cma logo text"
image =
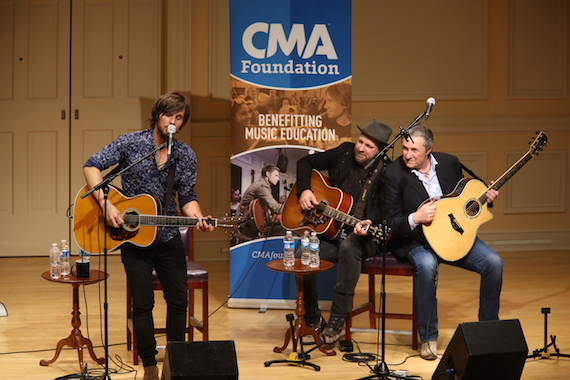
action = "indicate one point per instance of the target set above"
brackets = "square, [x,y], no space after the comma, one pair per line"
[319,42]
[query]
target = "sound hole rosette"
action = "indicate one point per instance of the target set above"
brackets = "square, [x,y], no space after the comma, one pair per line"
[132,220]
[472,208]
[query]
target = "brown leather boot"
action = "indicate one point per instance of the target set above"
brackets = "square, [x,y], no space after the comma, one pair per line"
[151,373]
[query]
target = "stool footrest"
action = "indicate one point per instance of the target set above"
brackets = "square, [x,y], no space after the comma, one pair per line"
[396,332]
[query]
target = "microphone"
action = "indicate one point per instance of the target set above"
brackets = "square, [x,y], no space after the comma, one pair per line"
[171,131]
[430,103]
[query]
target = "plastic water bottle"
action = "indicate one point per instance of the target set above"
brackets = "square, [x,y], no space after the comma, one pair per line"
[65,267]
[289,249]
[84,255]
[315,248]
[54,262]
[305,254]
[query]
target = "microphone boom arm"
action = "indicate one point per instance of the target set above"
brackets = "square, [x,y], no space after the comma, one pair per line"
[404,131]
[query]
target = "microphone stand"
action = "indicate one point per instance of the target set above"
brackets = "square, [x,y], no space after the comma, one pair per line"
[381,370]
[104,186]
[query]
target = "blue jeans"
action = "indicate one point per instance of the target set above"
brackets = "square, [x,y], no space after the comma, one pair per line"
[481,259]
[169,261]
[348,253]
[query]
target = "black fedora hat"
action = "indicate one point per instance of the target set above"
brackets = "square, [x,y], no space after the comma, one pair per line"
[378,132]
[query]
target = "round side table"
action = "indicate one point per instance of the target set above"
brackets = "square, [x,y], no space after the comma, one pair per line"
[76,339]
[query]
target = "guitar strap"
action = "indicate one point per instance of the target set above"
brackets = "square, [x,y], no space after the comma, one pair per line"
[490,205]
[169,186]
[362,200]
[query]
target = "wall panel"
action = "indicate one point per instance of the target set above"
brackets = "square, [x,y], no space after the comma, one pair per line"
[145,56]
[7,173]
[539,186]
[98,49]
[7,48]
[538,56]
[415,49]
[43,50]
[42,172]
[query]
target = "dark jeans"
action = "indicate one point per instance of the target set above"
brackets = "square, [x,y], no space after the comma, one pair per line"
[348,253]
[168,259]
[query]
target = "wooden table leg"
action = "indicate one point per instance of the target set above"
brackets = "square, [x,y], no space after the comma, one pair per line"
[75,339]
[301,327]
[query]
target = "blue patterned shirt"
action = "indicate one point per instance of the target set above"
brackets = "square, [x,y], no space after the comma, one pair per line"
[145,177]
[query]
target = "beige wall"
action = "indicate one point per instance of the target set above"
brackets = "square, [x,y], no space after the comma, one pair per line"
[498,69]
[499,72]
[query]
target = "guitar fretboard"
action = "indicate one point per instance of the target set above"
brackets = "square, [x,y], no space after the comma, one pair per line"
[346,219]
[337,215]
[536,146]
[164,220]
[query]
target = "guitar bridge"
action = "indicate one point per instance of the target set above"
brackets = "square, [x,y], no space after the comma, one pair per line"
[455,224]
[312,218]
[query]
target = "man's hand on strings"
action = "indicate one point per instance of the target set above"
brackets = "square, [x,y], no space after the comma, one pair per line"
[425,213]
[307,200]
[114,216]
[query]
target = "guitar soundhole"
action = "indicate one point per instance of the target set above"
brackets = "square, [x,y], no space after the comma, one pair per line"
[131,218]
[472,208]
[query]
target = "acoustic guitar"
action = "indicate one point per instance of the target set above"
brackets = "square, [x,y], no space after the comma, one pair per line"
[329,216]
[459,214]
[141,215]
[262,217]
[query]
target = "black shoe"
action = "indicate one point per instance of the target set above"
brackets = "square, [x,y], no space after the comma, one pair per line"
[332,331]
[318,325]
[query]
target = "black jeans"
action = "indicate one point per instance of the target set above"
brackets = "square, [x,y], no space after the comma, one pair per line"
[348,253]
[168,259]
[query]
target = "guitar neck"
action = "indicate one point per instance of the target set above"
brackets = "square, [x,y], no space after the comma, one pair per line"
[511,172]
[337,215]
[165,220]
[340,216]
[506,176]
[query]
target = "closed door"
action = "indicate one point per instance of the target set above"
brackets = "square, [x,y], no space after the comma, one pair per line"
[55,114]
[34,129]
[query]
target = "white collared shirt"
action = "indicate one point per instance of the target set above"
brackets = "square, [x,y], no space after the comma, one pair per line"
[431,184]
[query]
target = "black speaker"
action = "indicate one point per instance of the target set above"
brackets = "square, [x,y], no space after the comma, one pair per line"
[210,360]
[490,350]
[282,163]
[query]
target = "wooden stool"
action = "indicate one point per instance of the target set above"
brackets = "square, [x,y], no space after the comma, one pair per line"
[373,266]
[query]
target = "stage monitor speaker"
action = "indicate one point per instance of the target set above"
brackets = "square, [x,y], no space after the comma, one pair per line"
[490,350]
[210,360]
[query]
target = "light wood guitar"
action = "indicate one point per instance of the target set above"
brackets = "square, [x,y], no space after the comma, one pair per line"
[328,217]
[452,233]
[142,218]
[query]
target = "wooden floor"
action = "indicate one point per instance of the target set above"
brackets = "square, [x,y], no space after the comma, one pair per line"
[40,315]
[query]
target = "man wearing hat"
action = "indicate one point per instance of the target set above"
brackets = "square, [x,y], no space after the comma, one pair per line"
[358,170]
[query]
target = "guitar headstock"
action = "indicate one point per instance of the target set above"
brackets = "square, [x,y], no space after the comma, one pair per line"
[228,222]
[538,144]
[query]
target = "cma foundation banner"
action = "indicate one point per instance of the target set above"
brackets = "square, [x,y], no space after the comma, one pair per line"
[291,95]
[290,73]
